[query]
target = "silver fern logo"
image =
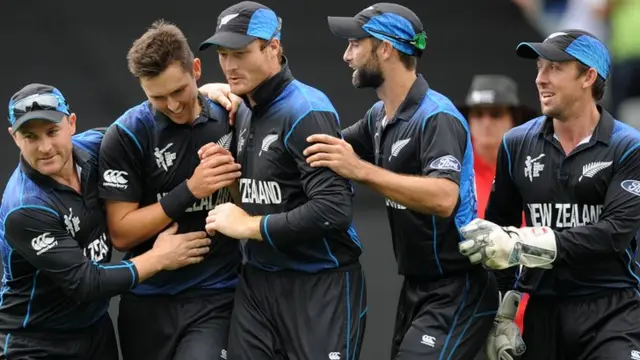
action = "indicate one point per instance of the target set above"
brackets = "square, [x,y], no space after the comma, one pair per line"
[590,169]
[397,146]
[225,141]
[267,141]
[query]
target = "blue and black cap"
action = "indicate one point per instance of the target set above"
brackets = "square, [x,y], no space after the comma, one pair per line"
[570,45]
[384,21]
[37,102]
[243,23]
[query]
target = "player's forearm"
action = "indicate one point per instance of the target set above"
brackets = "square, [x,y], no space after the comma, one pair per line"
[90,281]
[581,245]
[138,226]
[325,213]
[426,195]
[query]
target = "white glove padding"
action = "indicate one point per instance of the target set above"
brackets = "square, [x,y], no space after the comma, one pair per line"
[500,247]
[504,341]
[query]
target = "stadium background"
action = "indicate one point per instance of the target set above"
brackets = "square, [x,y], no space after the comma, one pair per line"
[81,46]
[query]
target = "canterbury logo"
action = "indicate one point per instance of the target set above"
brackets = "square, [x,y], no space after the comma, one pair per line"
[590,169]
[397,146]
[225,141]
[267,141]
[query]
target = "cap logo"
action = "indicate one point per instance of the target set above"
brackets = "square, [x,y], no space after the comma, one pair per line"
[483,96]
[225,19]
[556,34]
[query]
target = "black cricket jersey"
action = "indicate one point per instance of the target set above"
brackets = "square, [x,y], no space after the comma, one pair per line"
[307,223]
[426,137]
[590,198]
[56,248]
[144,156]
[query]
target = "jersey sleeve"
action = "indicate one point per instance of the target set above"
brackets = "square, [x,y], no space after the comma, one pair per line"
[38,235]
[360,137]
[443,141]
[504,208]
[330,198]
[617,224]
[120,165]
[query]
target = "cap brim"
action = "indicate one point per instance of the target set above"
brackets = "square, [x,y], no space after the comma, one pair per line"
[346,27]
[545,51]
[228,40]
[47,115]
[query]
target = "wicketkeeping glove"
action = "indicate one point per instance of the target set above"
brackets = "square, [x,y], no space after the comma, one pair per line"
[500,247]
[504,341]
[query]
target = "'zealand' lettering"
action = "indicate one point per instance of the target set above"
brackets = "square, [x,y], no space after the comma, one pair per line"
[561,216]
[260,192]
[208,202]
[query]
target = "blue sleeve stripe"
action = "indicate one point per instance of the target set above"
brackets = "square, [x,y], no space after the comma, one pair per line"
[131,135]
[36,207]
[506,149]
[134,278]
[333,258]
[33,292]
[6,345]
[295,123]
[265,228]
[628,152]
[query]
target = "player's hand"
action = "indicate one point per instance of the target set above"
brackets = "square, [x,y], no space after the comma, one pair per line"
[499,247]
[178,250]
[212,174]
[504,341]
[211,149]
[221,93]
[334,153]
[232,221]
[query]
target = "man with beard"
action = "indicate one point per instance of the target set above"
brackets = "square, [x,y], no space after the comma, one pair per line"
[302,292]
[415,149]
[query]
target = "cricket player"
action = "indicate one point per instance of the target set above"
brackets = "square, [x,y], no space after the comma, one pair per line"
[56,251]
[151,176]
[576,173]
[414,148]
[302,292]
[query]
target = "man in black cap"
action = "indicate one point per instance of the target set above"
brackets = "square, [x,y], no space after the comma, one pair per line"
[302,292]
[55,245]
[576,173]
[414,148]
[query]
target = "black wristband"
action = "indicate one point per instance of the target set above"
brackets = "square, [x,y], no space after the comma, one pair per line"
[177,201]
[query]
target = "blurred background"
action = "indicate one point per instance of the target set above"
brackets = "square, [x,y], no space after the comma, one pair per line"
[80,47]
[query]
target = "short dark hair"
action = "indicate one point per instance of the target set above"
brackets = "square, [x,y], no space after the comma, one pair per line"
[410,62]
[160,46]
[598,87]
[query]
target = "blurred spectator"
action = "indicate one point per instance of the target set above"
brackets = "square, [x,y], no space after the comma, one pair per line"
[492,107]
[624,45]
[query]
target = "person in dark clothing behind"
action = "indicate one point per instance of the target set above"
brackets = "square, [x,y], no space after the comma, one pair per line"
[56,250]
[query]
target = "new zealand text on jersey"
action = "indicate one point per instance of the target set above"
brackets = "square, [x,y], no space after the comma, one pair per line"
[207,203]
[260,192]
[560,216]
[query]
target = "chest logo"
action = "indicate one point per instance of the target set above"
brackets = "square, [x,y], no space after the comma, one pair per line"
[590,169]
[225,141]
[533,167]
[267,141]
[397,146]
[72,223]
[164,158]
